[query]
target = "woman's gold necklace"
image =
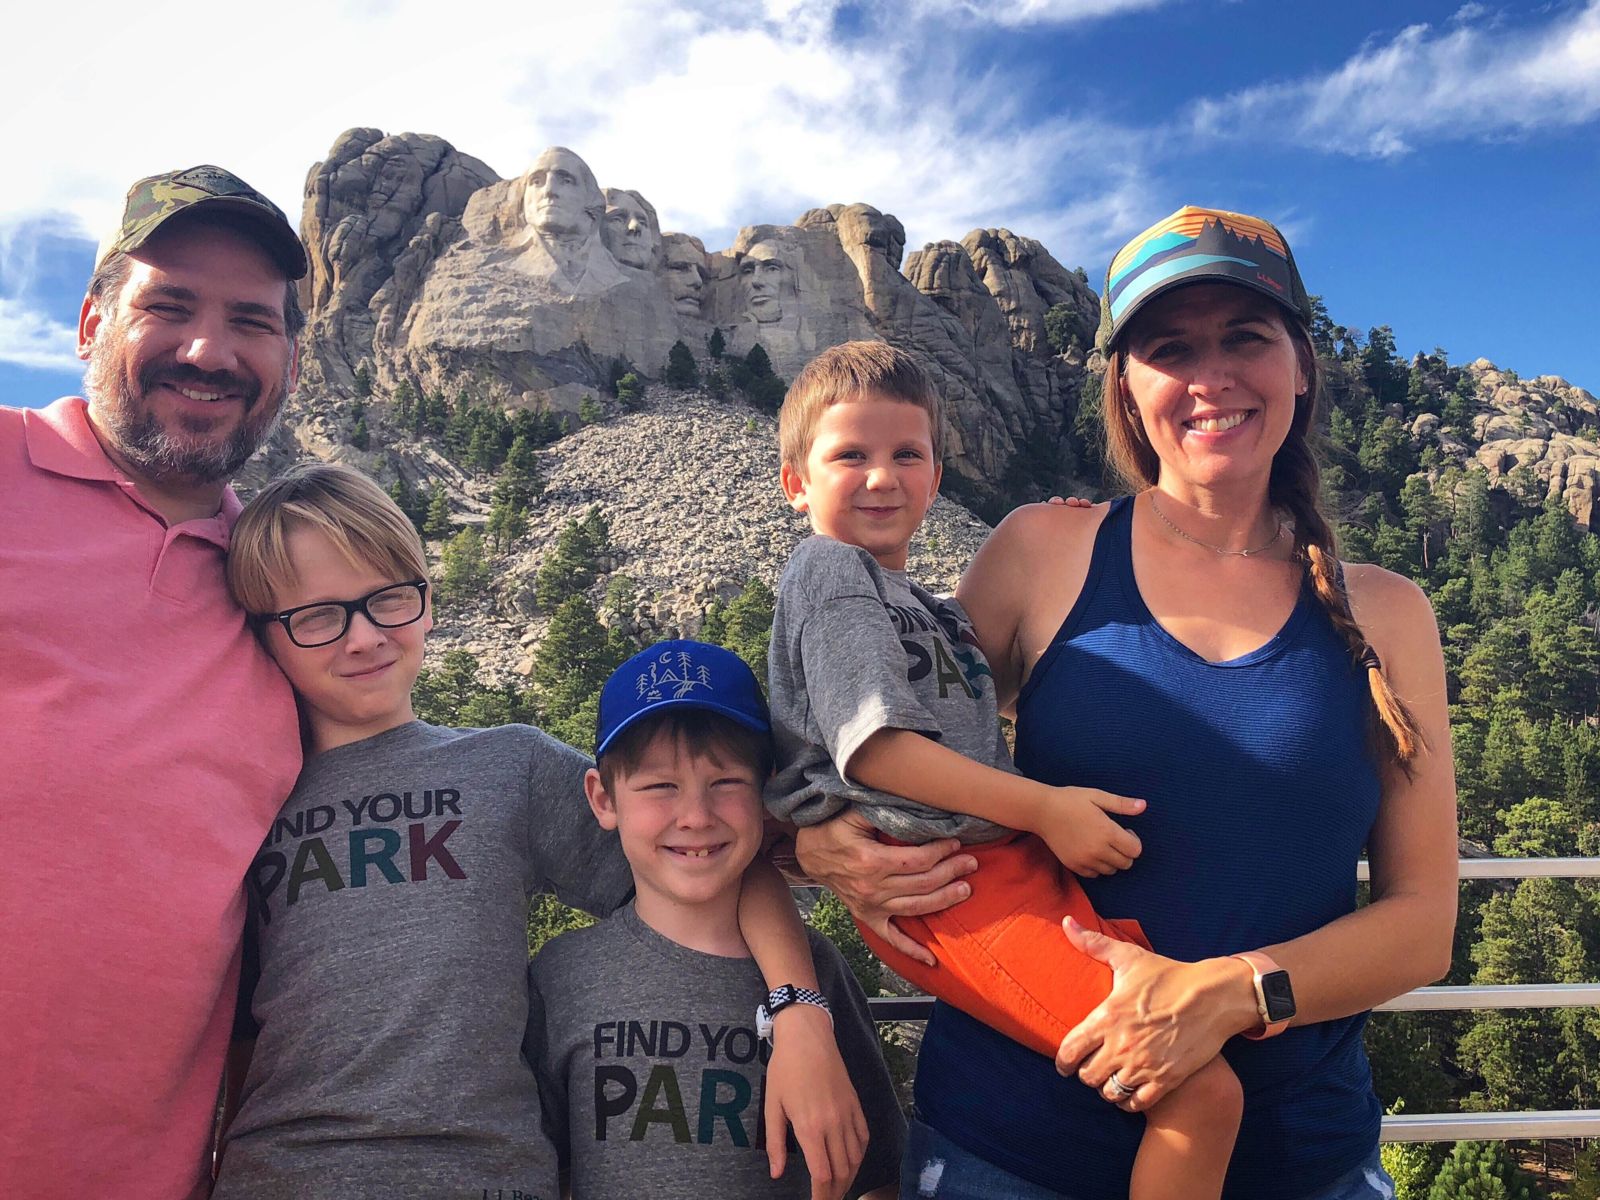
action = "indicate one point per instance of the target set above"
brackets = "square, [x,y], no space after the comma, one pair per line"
[1167,521]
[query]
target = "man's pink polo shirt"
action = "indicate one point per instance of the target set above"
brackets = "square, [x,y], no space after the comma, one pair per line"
[146,744]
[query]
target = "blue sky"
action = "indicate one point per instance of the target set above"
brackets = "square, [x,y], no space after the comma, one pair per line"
[1436,166]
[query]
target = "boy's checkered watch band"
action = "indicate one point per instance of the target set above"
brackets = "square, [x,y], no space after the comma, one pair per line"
[781,998]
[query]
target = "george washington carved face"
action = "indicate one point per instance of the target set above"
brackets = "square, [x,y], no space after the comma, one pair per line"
[560,195]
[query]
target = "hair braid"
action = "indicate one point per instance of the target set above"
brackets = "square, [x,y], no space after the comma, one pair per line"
[1295,486]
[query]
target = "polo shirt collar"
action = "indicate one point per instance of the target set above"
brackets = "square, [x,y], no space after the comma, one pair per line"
[61,441]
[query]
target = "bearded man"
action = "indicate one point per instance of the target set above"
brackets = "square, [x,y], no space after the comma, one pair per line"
[148,740]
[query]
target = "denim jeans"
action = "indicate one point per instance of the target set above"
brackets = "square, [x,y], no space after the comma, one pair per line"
[935,1168]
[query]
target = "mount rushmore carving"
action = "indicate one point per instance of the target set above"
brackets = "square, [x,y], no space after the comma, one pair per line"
[428,266]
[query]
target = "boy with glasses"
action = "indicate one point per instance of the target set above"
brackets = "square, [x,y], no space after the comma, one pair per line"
[391,893]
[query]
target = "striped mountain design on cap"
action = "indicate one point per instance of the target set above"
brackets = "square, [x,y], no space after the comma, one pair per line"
[1196,244]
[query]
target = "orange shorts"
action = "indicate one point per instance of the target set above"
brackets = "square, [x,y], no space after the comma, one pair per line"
[1002,955]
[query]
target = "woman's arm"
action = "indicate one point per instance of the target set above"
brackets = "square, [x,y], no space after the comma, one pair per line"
[1399,941]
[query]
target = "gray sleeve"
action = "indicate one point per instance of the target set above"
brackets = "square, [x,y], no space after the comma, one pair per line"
[552,1080]
[857,1035]
[573,857]
[856,677]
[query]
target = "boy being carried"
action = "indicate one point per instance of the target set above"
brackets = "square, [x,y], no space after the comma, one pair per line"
[883,702]
[640,1028]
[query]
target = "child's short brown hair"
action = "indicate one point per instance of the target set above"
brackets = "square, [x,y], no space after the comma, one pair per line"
[341,503]
[853,371]
[699,732]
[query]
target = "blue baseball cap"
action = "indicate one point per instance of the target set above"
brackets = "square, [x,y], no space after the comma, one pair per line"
[679,674]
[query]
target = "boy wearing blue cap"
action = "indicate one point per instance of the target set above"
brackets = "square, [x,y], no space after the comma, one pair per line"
[645,1030]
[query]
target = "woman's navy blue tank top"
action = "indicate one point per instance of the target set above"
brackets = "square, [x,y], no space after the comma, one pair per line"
[1261,792]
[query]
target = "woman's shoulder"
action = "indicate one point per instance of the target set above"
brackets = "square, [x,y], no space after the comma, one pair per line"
[1032,527]
[1393,612]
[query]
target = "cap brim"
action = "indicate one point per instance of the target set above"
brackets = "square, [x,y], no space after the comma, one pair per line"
[279,240]
[741,718]
[1172,285]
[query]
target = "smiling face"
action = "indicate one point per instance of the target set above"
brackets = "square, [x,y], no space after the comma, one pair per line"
[869,477]
[1214,374]
[690,823]
[190,362]
[361,684]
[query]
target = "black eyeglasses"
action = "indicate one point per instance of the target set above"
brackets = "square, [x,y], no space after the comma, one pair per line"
[313,625]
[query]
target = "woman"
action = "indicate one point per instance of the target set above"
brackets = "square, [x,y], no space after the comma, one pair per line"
[1199,645]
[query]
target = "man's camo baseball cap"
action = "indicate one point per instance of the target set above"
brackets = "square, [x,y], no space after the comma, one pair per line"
[152,202]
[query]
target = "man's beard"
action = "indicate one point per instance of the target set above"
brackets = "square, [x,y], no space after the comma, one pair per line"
[147,445]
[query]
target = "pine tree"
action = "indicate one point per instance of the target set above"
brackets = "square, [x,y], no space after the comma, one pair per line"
[464,571]
[630,392]
[573,563]
[405,406]
[1482,1171]
[438,524]
[570,666]
[363,381]
[681,371]
[716,345]
[589,411]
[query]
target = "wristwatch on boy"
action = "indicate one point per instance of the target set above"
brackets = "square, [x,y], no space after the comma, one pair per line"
[1274,996]
[781,998]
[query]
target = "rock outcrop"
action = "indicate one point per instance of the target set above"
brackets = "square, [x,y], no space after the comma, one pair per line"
[1545,424]
[429,268]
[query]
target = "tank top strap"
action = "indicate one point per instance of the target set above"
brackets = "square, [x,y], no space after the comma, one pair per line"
[1110,564]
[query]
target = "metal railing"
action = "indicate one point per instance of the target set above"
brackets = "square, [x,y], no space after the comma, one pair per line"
[1442,1127]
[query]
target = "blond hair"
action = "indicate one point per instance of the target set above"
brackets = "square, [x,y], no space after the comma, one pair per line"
[1295,487]
[854,371]
[340,503]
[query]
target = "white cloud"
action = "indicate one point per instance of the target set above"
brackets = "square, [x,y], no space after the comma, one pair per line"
[1425,84]
[722,113]
[30,339]
[1021,13]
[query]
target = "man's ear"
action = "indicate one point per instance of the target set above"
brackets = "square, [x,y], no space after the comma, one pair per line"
[600,801]
[294,367]
[89,318]
[794,487]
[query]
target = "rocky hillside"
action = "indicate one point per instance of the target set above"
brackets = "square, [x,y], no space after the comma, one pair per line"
[688,486]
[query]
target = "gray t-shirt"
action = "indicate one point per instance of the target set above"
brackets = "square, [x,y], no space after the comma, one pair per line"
[653,1076]
[391,902]
[855,649]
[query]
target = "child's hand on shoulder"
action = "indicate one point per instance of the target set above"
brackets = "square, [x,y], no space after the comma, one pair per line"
[809,1088]
[1073,822]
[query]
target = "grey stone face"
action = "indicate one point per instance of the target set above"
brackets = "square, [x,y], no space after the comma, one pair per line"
[560,196]
[630,229]
[683,265]
[767,276]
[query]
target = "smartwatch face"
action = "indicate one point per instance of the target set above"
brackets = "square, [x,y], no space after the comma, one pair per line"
[1278,994]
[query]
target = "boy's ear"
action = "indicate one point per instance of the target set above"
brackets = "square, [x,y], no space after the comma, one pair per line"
[794,486]
[600,801]
[938,478]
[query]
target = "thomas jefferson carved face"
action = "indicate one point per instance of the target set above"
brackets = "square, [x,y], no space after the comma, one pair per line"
[560,195]
[684,264]
[630,230]
[768,280]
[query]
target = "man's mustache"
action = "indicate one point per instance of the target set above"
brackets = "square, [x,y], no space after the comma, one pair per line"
[201,381]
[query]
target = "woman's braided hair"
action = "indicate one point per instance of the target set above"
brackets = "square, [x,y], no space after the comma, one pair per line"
[1295,487]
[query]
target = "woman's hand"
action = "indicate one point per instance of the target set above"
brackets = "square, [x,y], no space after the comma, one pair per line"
[808,1087]
[1162,1022]
[878,882]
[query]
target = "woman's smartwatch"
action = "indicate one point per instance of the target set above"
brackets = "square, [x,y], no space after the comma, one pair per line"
[1274,995]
